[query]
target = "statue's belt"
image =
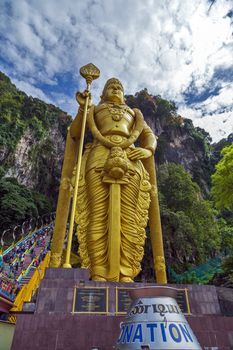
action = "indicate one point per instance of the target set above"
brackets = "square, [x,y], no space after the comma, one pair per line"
[116,139]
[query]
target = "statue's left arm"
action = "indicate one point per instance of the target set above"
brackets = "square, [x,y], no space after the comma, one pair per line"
[148,144]
[147,139]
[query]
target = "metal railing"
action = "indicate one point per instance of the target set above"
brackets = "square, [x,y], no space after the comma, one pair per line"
[11,236]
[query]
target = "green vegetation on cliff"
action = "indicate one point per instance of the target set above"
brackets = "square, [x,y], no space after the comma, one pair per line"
[18,203]
[222,180]
[191,233]
[19,113]
[32,122]
[222,192]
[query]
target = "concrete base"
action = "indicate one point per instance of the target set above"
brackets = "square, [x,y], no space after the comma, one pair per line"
[53,326]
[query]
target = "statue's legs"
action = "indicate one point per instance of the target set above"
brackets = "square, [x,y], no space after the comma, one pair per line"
[97,230]
[134,214]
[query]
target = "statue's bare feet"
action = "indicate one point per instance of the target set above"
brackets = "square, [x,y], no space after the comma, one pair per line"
[98,278]
[125,279]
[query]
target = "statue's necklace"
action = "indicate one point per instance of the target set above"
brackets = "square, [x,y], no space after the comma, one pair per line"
[139,124]
[116,111]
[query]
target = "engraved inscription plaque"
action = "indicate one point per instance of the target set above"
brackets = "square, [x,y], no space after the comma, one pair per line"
[91,300]
[182,300]
[123,300]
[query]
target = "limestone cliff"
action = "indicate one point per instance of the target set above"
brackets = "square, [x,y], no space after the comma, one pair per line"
[178,140]
[32,139]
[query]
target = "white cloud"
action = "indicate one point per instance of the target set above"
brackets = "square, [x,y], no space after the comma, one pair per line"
[221,101]
[66,103]
[162,45]
[219,127]
[215,114]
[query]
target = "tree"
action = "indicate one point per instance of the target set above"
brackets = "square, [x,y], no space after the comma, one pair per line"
[190,230]
[222,180]
[18,203]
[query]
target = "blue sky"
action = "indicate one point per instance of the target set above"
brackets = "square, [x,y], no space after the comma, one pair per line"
[180,49]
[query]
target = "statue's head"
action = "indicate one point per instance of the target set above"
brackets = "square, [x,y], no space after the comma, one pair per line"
[113,91]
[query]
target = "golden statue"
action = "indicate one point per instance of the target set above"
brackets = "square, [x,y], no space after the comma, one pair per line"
[117,186]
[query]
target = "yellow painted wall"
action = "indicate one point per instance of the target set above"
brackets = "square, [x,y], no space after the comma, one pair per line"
[6,335]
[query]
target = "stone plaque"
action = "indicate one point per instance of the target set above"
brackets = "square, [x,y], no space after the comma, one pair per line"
[123,300]
[182,300]
[91,300]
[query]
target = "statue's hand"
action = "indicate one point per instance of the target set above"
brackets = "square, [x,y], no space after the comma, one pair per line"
[139,153]
[81,98]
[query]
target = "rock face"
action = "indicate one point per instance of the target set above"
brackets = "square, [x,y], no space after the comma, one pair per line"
[37,163]
[183,148]
[178,141]
[21,169]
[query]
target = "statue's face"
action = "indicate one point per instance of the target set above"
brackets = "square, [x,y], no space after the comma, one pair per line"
[114,93]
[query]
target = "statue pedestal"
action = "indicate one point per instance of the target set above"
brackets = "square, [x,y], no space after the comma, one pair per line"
[64,321]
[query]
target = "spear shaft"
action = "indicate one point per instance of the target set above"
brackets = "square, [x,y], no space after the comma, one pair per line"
[89,72]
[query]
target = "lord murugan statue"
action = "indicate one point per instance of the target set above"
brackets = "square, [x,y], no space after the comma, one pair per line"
[116,191]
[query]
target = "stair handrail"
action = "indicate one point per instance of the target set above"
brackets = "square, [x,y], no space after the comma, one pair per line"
[29,289]
[24,272]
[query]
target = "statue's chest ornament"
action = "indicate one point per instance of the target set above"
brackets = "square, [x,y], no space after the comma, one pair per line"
[117,112]
[138,127]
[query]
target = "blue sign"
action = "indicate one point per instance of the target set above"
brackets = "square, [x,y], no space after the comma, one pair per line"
[155,332]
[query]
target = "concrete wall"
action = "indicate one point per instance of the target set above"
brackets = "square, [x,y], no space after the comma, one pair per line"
[6,335]
[54,327]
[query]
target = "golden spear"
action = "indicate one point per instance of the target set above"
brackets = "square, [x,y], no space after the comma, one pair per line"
[89,72]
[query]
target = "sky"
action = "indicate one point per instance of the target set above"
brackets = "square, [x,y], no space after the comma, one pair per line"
[179,49]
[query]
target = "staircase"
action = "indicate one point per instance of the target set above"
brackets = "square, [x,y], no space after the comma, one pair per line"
[25,279]
[22,277]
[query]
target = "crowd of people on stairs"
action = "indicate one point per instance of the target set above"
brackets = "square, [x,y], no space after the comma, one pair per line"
[14,263]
